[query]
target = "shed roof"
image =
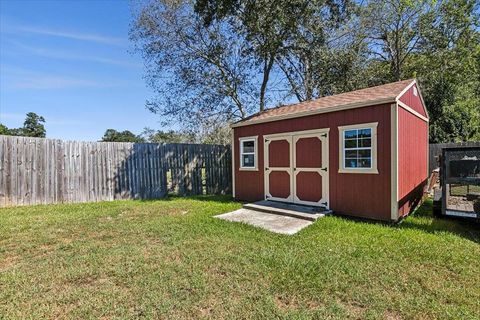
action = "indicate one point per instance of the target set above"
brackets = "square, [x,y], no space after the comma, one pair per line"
[385,93]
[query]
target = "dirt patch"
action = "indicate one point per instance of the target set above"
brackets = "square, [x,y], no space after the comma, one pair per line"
[286,304]
[8,263]
[391,315]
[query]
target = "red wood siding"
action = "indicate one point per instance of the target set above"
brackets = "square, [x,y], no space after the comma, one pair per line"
[363,195]
[414,102]
[412,159]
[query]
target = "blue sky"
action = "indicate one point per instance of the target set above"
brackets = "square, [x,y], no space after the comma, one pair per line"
[71,62]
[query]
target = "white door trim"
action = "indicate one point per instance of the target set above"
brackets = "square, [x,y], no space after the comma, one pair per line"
[267,170]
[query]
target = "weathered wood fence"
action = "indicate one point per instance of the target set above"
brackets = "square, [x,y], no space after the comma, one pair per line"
[436,150]
[41,171]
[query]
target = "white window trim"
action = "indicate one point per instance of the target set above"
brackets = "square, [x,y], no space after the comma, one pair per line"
[341,150]
[255,153]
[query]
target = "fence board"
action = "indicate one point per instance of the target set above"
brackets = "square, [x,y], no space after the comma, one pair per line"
[40,171]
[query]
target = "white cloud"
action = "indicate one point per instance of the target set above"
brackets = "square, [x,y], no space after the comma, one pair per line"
[11,26]
[70,35]
[15,78]
[67,55]
[51,82]
[12,77]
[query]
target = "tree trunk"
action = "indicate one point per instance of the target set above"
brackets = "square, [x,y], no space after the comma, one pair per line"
[267,67]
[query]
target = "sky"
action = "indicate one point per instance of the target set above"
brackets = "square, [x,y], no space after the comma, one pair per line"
[71,62]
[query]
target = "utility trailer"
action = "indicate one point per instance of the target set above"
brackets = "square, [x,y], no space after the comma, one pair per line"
[459,191]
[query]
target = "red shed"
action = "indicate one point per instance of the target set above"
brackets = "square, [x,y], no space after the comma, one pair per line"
[362,153]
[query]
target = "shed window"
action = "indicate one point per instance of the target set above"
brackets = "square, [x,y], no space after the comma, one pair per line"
[248,153]
[358,148]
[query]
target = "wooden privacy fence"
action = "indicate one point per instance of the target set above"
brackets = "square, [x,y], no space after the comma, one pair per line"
[41,171]
[435,149]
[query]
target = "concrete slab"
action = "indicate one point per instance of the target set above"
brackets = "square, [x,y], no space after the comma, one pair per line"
[271,222]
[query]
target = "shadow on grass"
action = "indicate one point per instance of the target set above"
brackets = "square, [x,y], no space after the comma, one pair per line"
[422,219]
[209,198]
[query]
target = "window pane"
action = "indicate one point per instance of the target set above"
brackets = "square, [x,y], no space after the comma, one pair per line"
[366,142]
[349,134]
[364,163]
[364,133]
[248,160]
[350,143]
[350,153]
[350,163]
[249,146]
[364,153]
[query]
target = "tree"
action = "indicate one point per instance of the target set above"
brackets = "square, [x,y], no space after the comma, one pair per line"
[436,42]
[222,64]
[393,30]
[217,61]
[197,72]
[4,129]
[112,135]
[170,136]
[286,38]
[448,66]
[33,126]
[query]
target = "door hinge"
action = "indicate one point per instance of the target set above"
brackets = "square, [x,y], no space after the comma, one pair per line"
[266,169]
[266,140]
[324,169]
[324,203]
[324,135]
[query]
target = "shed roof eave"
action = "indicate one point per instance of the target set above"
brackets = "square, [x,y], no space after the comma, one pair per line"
[293,115]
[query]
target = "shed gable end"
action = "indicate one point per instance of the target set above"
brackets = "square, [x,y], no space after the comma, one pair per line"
[413,98]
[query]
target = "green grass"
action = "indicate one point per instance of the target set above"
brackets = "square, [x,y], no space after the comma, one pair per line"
[171,259]
[462,190]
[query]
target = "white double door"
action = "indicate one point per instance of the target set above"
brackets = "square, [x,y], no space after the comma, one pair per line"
[296,167]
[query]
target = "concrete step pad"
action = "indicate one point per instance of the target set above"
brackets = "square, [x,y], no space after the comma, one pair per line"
[287,209]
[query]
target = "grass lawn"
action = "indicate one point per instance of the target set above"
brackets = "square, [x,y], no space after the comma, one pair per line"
[171,259]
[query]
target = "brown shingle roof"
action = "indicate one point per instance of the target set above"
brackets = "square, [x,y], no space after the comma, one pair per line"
[368,96]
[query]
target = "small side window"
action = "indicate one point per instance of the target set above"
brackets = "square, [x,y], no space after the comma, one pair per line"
[248,153]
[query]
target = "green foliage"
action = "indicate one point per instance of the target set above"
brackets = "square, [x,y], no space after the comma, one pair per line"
[447,65]
[225,59]
[171,136]
[221,63]
[33,126]
[4,130]
[112,135]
